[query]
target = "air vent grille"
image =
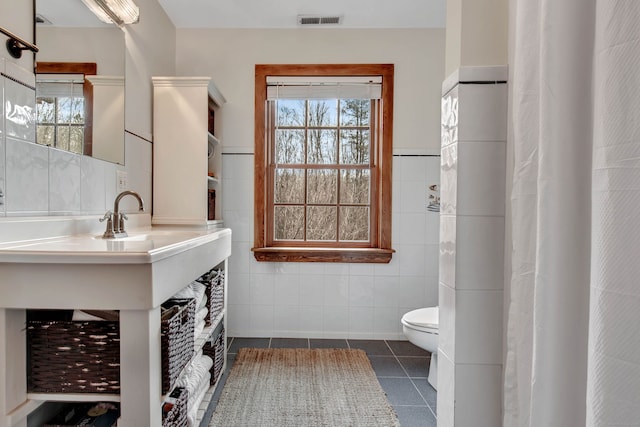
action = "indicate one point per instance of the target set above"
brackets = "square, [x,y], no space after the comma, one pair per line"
[319,20]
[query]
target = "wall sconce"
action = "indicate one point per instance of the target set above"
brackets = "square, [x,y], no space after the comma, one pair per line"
[119,12]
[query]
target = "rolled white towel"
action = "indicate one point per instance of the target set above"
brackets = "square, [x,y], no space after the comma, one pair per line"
[186,292]
[195,373]
[193,404]
[199,322]
[199,293]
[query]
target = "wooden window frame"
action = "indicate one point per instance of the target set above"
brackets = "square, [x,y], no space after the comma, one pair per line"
[86,69]
[379,250]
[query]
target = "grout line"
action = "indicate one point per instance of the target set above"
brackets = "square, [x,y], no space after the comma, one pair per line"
[432,412]
[407,373]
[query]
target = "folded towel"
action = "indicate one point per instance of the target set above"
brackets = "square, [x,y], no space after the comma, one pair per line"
[194,290]
[195,374]
[193,404]
[200,322]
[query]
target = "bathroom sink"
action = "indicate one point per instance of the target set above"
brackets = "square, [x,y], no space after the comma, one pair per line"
[147,235]
[142,245]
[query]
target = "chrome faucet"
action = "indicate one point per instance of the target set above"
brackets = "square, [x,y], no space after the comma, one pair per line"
[115,220]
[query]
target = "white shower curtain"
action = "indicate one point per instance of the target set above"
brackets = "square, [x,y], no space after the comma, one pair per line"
[573,332]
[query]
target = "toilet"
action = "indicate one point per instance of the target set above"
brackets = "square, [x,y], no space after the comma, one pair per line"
[421,329]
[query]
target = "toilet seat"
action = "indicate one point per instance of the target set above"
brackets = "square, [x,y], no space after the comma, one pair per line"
[423,318]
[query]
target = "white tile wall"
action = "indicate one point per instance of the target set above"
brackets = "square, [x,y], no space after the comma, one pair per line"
[479,271]
[478,327]
[64,176]
[478,396]
[471,261]
[480,183]
[27,183]
[446,390]
[334,300]
[483,114]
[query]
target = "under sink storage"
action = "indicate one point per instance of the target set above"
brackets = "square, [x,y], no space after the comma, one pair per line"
[84,356]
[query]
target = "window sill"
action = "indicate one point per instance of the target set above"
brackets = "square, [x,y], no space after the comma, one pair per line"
[352,255]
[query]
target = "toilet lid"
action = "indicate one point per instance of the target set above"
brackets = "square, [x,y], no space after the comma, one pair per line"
[423,317]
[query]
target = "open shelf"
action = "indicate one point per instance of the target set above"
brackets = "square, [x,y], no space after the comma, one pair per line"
[74,397]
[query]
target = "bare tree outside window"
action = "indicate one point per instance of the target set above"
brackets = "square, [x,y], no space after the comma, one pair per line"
[326,197]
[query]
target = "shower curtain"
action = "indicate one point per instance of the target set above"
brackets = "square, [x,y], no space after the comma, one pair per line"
[573,328]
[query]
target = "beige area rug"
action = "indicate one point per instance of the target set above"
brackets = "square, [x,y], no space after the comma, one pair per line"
[302,387]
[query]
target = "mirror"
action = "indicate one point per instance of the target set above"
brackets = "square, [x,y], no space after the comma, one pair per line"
[79,110]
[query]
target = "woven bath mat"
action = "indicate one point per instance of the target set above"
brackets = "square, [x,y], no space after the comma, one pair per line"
[302,387]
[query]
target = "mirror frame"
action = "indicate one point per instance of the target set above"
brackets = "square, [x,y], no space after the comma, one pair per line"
[84,68]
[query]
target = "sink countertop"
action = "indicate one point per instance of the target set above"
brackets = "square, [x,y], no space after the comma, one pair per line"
[144,245]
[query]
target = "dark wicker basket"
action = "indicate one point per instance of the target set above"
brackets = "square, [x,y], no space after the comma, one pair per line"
[215,350]
[177,415]
[214,282]
[73,357]
[84,356]
[218,361]
[177,339]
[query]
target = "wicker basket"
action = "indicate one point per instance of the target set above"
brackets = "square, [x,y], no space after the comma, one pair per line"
[84,356]
[176,416]
[177,339]
[215,350]
[73,357]
[218,361]
[214,282]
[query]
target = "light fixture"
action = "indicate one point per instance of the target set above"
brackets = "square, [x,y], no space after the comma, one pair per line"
[119,12]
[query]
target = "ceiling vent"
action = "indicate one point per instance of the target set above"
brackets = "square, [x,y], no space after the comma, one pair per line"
[319,20]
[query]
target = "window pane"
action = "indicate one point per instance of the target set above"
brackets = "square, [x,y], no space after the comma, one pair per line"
[355,146]
[323,112]
[288,222]
[355,187]
[321,223]
[77,110]
[290,112]
[45,110]
[354,223]
[289,146]
[289,186]
[76,139]
[62,138]
[322,146]
[354,112]
[45,135]
[322,186]
[64,109]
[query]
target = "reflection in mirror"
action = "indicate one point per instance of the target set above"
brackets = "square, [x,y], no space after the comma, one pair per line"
[80,110]
[64,106]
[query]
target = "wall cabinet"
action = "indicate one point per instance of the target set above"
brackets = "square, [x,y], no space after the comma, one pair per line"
[187,166]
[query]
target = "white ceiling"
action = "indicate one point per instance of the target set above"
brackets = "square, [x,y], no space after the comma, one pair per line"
[283,13]
[268,13]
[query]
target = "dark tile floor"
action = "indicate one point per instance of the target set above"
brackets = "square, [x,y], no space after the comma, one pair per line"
[400,367]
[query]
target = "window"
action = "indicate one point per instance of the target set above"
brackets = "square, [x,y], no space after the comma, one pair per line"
[323,163]
[64,106]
